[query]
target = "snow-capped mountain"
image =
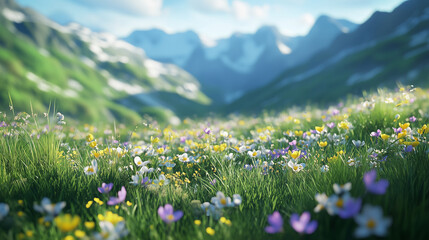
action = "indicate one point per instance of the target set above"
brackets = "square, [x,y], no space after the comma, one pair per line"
[227,68]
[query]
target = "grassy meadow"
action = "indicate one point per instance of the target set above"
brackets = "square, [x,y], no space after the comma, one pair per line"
[359,169]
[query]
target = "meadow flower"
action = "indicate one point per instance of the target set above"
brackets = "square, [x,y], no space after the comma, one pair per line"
[412,119]
[138,161]
[213,182]
[4,210]
[295,154]
[229,156]
[67,222]
[207,131]
[167,215]
[322,144]
[319,129]
[209,209]
[254,154]
[92,169]
[302,224]
[220,201]
[236,199]
[184,158]
[408,148]
[60,119]
[296,167]
[376,134]
[162,180]
[322,200]
[105,188]
[50,209]
[358,143]
[343,188]
[276,223]
[210,231]
[135,179]
[330,125]
[324,168]
[351,208]
[145,169]
[110,231]
[335,203]
[371,221]
[117,200]
[384,136]
[372,186]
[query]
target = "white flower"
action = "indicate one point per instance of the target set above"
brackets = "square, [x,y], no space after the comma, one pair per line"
[60,119]
[295,166]
[343,188]
[4,210]
[220,201]
[336,203]
[184,158]
[161,181]
[324,168]
[236,199]
[50,209]
[138,161]
[322,200]
[351,162]
[135,180]
[110,231]
[90,170]
[371,221]
[358,143]
[254,154]
[210,210]
[224,133]
[145,169]
[229,156]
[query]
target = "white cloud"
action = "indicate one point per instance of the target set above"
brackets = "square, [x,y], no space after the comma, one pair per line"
[211,5]
[244,11]
[307,19]
[136,7]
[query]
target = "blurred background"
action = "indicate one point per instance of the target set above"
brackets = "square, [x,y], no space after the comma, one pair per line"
[105,60]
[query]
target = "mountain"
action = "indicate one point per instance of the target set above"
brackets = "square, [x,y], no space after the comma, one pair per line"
[86,74]
[227,68]
[386,49]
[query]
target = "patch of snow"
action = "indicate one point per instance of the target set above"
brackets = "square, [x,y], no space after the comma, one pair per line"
[88,62]
[13,16]
[251,53]
[283,48]
[42,84]
[361,77]
[156,69]
[208,42]
[122,86]
[188,90]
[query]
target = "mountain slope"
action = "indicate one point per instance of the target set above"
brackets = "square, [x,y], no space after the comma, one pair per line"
[85,74]
[227,68]
[388,48]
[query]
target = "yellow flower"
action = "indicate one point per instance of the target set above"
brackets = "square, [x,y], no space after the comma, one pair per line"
[88,205]
[222,220]
[129,203]
[69,237]
[29,233]
[404,126]
[93,144]
[197,222]
[414,144]
[320,129]
[154,140]
[67,222]
[21,202]
[294,154]
[323,144]
[89,225]
[210,231]
[89,137]
[298,133]
[343,125]
[111,217]
[384,136]
[402,135]
[79,233]
[296,121]
[423,130]
[20,213]
[97,200]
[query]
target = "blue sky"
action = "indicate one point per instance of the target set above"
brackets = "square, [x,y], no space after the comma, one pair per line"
[210,18]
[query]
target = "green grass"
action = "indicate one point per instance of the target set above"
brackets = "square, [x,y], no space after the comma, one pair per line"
[52,164]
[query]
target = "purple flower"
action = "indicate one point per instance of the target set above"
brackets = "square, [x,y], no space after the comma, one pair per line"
[376,134]
[213,182]
[293,143]
[167,215]
[413,119]
[408,148]
[121,197]
[372,186]
[276,223]
[105,188]
[397,130]
[207,131]
[146,181]
[3,124]
[330,125]
[302,223]
[350,208]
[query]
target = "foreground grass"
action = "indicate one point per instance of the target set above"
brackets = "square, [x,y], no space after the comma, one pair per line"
[41,159]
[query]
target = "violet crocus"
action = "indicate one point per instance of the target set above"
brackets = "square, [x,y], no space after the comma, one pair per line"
[302,224]
[351,208]
[207,131]
[117,200]
[376,134]
[408,148]
[276,223]
[168,215]
[397,130]
[372,186]
[105,188]
[412,119]
[146,181]
[330,125]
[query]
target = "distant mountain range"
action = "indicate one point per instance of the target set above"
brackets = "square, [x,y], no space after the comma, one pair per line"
[86,74]
[386,49]
[227,68]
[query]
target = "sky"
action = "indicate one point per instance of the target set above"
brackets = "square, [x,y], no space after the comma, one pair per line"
[211,19]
